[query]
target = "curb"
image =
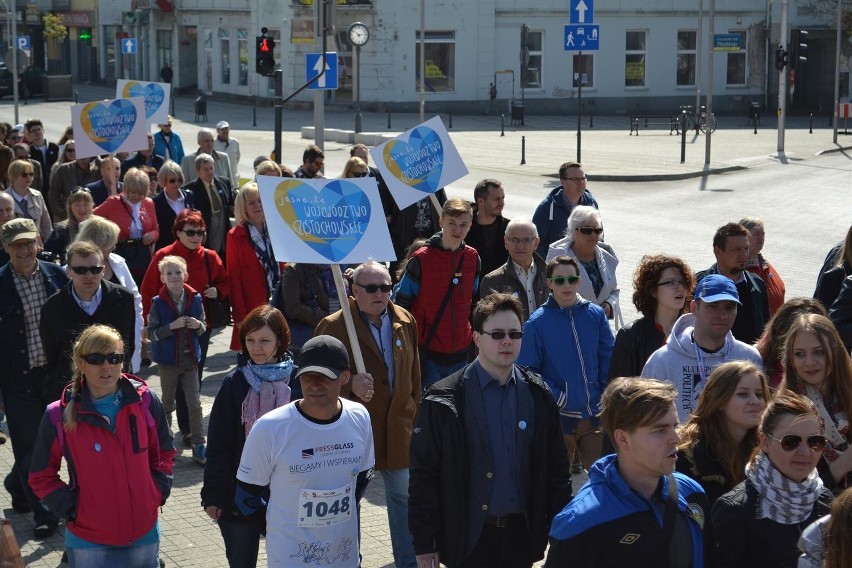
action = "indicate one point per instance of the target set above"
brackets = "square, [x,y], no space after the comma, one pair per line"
[666,177]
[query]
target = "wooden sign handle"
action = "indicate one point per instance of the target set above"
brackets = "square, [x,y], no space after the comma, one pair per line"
[347,318]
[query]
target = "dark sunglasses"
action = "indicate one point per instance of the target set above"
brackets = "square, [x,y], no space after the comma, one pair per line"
[192,233]
[373,288]
[562,280]
[80,190]
[499,334]
[84,269]
[99,358]
[590,230]
[360,174]
[70,150]
[28,174]
[791,442]
[173,180]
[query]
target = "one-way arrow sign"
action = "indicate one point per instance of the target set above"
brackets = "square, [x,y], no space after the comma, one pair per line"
[582,11]
[128,46]
[313,66]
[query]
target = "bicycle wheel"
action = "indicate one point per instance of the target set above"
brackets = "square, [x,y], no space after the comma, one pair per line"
[708,120]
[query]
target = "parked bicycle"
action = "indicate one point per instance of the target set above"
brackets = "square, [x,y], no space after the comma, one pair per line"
[700,120]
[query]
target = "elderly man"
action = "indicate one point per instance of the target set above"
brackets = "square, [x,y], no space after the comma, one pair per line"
[25,285]
[489,226]
[65,178]
[731,248]
[167,143]
[231,146]
[212,196]
[390,389]
[524,274]
[551,215]
[222,165]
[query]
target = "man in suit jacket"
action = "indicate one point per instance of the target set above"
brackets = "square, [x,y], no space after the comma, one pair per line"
[212,195]
[221,162]
[44,152]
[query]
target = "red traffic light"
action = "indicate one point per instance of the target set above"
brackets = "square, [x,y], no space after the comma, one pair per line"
[264,45]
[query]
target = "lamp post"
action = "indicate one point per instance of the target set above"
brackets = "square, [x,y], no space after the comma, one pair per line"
[422,60]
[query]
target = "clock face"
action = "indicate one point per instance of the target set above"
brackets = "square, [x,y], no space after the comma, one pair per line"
[358,33]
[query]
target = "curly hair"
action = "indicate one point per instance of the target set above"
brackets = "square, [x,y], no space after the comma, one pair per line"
[647,276]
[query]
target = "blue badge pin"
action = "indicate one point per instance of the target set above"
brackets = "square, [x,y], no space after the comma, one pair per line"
[97,447]
[522,425]
[455,280]
[399,342]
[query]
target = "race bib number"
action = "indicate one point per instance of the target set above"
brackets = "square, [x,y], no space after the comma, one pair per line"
[325,507]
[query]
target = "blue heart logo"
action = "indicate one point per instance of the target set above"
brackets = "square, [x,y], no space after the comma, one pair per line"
[108,125]
[417,162]
[330,219]
[151,92]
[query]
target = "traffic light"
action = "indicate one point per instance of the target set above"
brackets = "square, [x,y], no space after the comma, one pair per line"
[265,55]
[798,48]
[780,58]
[85,34]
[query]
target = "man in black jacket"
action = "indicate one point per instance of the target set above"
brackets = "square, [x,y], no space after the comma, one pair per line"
[489,226]
[87,300]
[212,196]
[489,468]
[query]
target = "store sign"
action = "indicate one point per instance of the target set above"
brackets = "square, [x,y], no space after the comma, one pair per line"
[78,19]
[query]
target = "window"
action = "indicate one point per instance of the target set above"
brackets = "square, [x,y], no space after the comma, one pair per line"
[737,63]
[584,67]
[634,59]
[686,52]
[531,76]
[440,58]
[242,54]
[225,53]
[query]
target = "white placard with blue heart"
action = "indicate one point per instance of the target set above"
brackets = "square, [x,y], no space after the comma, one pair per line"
[418,162]
[325,221]
[157,97]
[109,127]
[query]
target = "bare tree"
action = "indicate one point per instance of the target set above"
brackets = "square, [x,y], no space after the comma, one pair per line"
[826,10]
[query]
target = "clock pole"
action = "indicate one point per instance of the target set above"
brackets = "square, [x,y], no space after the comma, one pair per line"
[357,88]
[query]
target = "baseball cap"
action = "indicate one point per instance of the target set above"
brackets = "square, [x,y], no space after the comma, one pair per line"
[18,128]
[323,354]
[18,230]
[715,288]
[222,124]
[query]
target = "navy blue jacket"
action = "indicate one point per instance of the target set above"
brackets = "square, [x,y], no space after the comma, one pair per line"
[166,216]
[165,350]
[608,525]
[551,217]
[14,356]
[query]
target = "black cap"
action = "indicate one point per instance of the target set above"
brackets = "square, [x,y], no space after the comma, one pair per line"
[323,354]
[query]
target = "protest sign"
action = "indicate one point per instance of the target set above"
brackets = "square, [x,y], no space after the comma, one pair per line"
[156,97]
[108,127]
[419,162]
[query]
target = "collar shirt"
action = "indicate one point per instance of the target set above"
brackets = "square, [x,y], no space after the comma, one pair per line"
[33,296]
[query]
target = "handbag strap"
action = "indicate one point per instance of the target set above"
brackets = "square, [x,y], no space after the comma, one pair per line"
[669,521]
[453,281]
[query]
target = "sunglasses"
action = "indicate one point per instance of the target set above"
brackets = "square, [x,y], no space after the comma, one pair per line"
[80,190]
[562,280]
[672,284]
[99,358]
[173,180]
[69,150]
[791,442]
[373,288]
[191,233]
[360,174]
[84,269]
[590,230]
[500,334]
[28,174]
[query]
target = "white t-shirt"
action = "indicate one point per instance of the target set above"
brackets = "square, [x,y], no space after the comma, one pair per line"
[311,470]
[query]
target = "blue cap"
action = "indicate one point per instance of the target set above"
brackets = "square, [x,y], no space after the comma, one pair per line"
[715,288]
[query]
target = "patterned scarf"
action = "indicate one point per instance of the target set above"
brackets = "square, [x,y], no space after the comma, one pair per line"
[269,389]
[781,499]
[263,249]
[833,418]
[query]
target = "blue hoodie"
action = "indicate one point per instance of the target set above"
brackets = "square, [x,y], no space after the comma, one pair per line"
[570,348]
[551,217]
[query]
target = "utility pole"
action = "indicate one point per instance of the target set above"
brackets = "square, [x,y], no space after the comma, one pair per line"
[422,60]
[14,42]
[711,22]
[837,71]
[698,55]
[782,79]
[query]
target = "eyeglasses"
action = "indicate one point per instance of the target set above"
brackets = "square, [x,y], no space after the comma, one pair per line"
[672,284]
[99,358]
[373,288]
[28,174]
[791,442]
[524,241]
[562,280]
[173,180]
[191,233]
[359,174]
[589,230]
[69,150]
[499,334]
[84,269]
[584,178]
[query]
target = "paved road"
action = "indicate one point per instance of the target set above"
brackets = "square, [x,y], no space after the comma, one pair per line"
[805,199]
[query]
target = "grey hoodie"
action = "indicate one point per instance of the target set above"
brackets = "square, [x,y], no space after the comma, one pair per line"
[676,363]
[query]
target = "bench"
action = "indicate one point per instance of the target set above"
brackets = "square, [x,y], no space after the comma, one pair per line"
[648,120]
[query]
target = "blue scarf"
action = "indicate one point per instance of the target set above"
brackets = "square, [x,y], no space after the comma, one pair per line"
[269,389]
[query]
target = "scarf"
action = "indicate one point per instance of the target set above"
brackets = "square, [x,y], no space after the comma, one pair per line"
[263,249]
[834,420]
[782,499]
[268,389]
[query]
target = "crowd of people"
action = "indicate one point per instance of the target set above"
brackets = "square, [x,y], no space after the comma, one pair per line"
[489,362]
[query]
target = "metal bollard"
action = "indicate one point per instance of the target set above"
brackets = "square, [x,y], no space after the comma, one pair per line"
[451,120]
[523,150]
[254,112]
[76,96]
[811,129]
[682,138]
[502,125]
[591,117]
[389,123]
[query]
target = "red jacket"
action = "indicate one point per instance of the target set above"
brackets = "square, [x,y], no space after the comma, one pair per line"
[197,274]
[119,479]
[116,210]
[247,278]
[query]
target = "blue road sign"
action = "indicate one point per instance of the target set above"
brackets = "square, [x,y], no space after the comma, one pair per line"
[313,66]
[128,45]
[582,37]
[24,42]
[582,12]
